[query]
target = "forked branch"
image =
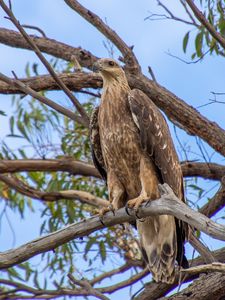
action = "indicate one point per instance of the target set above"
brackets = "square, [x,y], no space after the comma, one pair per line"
[128,55]
[167,204]
[45,63]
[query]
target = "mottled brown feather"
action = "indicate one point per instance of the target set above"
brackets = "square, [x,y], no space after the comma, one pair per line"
[157,142]
[132,146]
[96,144]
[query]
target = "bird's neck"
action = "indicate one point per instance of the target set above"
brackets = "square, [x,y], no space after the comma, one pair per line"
[115,86]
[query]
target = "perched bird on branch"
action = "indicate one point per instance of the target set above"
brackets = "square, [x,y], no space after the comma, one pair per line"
[133,151]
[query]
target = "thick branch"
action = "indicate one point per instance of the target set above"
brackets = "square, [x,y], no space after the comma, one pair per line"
[49,46]
[181,114]
[215,204]
[75,81]
[50,69]
[190,169]
[214,267]
[154,291]
[167,204]
[48,165]
[177,110]
[28,91]
[205,170]
[207,287]
[28,191]
[202,19]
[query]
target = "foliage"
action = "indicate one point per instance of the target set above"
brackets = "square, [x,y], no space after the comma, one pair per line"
[39,132]
[203,41]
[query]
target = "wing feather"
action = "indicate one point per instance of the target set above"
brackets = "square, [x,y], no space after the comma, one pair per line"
[157,142]
[96,149]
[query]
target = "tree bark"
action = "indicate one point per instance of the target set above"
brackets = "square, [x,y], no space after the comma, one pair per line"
[207,287]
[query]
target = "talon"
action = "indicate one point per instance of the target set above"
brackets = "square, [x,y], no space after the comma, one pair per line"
[147,202]
[135,204]
[103,211]
[101,220]
[137,216]
[111,208]
[127,209]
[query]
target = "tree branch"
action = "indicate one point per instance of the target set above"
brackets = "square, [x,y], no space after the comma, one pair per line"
[199,15]
[154,291]
[65,164]
[129,57]
[177,110]
[181,114]
[190,169]
[75,81]
[35,48]
[28,91]
[216,203]
[109,274]
[214,267]
[87,286]
[28,191]
[207,287]
[205,170]
[167,204]
[48,46]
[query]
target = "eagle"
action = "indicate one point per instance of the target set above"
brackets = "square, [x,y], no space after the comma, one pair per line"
[133,150]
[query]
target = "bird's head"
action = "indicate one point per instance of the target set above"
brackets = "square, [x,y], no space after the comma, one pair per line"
[109,69]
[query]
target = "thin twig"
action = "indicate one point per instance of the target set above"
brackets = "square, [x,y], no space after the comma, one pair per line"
[29,91]
[35,28]
[213,267]
[24,189]
[202,19]
[189,62]
[170,16]
[86,285]
[201,248]
[46,64]
[152,74]
[129,57]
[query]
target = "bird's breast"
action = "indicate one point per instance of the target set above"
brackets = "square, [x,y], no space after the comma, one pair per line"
[120,140]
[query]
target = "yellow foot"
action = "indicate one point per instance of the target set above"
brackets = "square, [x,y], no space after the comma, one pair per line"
[136,202]
[104,210]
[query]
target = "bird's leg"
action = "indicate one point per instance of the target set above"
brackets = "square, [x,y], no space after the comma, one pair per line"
[104,210]
[136,202]
[149,185]
[116,195]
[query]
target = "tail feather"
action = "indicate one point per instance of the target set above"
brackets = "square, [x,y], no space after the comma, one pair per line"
[159,246]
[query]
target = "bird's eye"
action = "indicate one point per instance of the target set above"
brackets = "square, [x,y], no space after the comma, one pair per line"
[111,63]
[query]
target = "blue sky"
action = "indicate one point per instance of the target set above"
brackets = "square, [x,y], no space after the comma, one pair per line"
[152,40]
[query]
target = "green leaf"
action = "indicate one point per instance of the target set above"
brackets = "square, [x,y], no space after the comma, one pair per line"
[27,69]
[13,273]
[185,41]
[22,130]
[102,250]
[2,113]
[15,136]
[36,283]
[198,43]
[11,124]
[221,25]
[89,244]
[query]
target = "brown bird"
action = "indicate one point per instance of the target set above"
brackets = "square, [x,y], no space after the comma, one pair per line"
[133,151]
